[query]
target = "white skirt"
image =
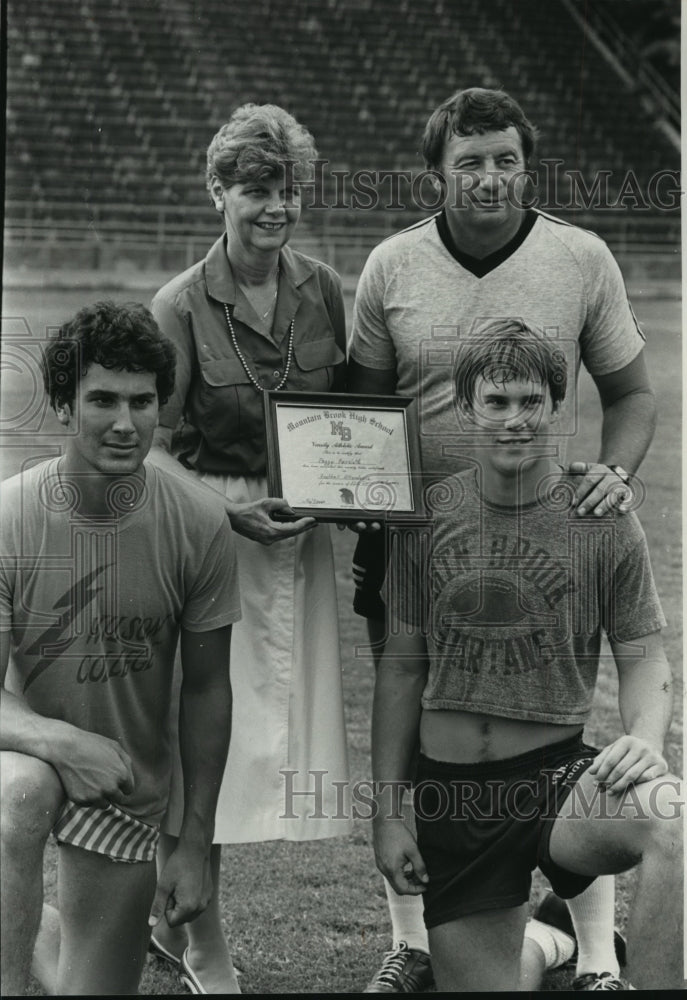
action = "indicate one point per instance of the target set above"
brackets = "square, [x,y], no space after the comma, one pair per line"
[288,735]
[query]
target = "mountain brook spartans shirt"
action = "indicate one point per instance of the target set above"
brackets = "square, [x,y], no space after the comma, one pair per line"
[514,600]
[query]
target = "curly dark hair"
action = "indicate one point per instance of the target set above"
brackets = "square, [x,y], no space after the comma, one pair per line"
[506,349]
[122,337]
[473,112]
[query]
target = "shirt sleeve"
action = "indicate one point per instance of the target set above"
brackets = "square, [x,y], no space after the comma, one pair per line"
[214,598]
[611,337]
[632,608]
[177,329]
[371,344]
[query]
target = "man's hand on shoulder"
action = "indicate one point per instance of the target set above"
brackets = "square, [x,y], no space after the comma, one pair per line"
[184,887]
[398,857]
[627,761]
[601,488]
[93,769]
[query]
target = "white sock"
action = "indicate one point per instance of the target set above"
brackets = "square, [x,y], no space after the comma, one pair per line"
[593,915]
[557,946]
[407,919]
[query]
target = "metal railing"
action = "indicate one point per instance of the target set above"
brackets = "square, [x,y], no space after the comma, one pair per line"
[636,66]
[112,236]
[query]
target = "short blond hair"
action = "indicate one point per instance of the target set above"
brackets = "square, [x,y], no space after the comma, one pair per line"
[259,141]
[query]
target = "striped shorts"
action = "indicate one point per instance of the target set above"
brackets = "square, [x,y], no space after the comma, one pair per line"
[108,831]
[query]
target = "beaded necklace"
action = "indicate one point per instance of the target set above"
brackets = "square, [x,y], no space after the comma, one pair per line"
[251,377]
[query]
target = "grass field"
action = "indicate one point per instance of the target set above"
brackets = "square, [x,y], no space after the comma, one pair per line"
[312,918]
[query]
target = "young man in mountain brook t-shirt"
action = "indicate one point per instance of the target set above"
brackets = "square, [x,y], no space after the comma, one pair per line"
[494,647]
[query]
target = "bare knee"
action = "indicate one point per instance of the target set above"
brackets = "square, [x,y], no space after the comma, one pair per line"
[661,826]
[31,794]
[666,809]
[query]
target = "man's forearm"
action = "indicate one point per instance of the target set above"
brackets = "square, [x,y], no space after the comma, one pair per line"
[204,733]
[395,729]
[645,698]
[628,429]
[27,732]
[395,722]
[93,769]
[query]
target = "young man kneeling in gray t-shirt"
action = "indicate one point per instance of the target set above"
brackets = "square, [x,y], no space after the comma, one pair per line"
[491,665]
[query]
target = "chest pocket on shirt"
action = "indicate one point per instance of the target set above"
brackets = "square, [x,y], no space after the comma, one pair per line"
[314,364]
[223,371]
[220,388]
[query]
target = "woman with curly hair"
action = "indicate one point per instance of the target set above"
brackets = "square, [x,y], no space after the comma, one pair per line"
[256,315]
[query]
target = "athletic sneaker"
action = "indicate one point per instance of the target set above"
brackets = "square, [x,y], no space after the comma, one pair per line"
[598,981]
[553,910]
[404,970]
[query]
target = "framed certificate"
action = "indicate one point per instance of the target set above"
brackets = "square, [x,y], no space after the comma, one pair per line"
[340,457]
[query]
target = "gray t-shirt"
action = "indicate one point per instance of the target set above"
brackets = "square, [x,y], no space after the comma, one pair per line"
[514,600]
[418,298]
[94,608]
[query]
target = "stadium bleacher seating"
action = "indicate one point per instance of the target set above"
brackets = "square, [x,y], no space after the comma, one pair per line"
[111,103]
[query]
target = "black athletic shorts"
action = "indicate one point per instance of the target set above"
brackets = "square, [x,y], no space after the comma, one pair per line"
[483,828]
[369,569]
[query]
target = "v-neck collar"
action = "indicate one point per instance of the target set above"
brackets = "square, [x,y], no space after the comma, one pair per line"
[480,266]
